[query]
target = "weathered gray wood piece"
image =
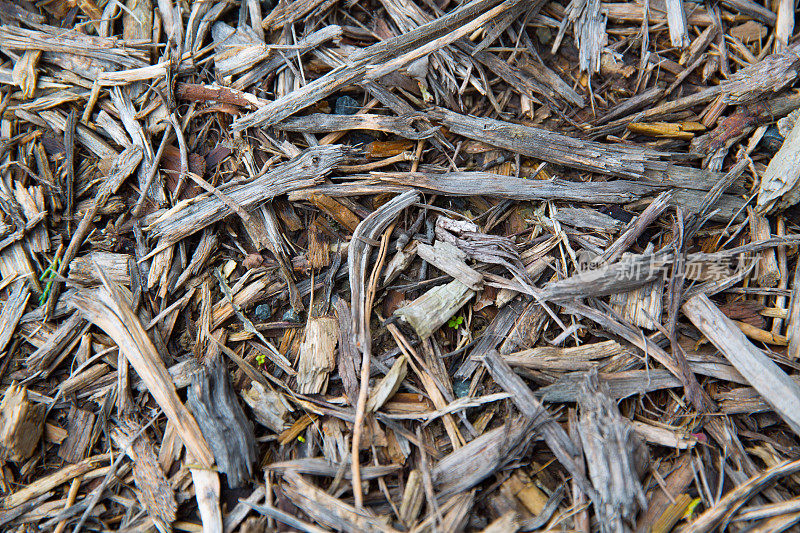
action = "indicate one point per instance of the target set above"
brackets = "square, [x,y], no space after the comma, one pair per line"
[614,159]
[590,33]
[779,184]
[380,59]
[676,21]
[70,329]
[275,61]
[636,228]
[554,435]
[324,123]
[13,308]
[450,260]
[464,468]
[793,325]
[191,216]
[580,217]
[750,84]
[764,375]
[613,454]
[495,333]
[433,309]
[320,466]
[508,187]
[348,356]
[222,421]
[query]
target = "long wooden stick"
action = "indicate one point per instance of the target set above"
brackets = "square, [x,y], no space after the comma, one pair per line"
[777,388]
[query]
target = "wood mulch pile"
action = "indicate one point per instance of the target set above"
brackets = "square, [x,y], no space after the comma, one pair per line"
[396,265]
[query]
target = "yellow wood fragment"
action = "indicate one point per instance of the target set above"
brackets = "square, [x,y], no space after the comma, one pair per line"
[672,130]
[761,335]
[672,514]
[296,429]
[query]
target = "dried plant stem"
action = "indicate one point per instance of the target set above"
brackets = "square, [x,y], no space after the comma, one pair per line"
[363,390]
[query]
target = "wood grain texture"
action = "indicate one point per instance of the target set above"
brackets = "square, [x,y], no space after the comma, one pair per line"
[778,389]
[222,421]
[191,216]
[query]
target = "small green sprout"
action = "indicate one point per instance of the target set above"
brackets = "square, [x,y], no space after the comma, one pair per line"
[261,359]
[49,274]
[455,322]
